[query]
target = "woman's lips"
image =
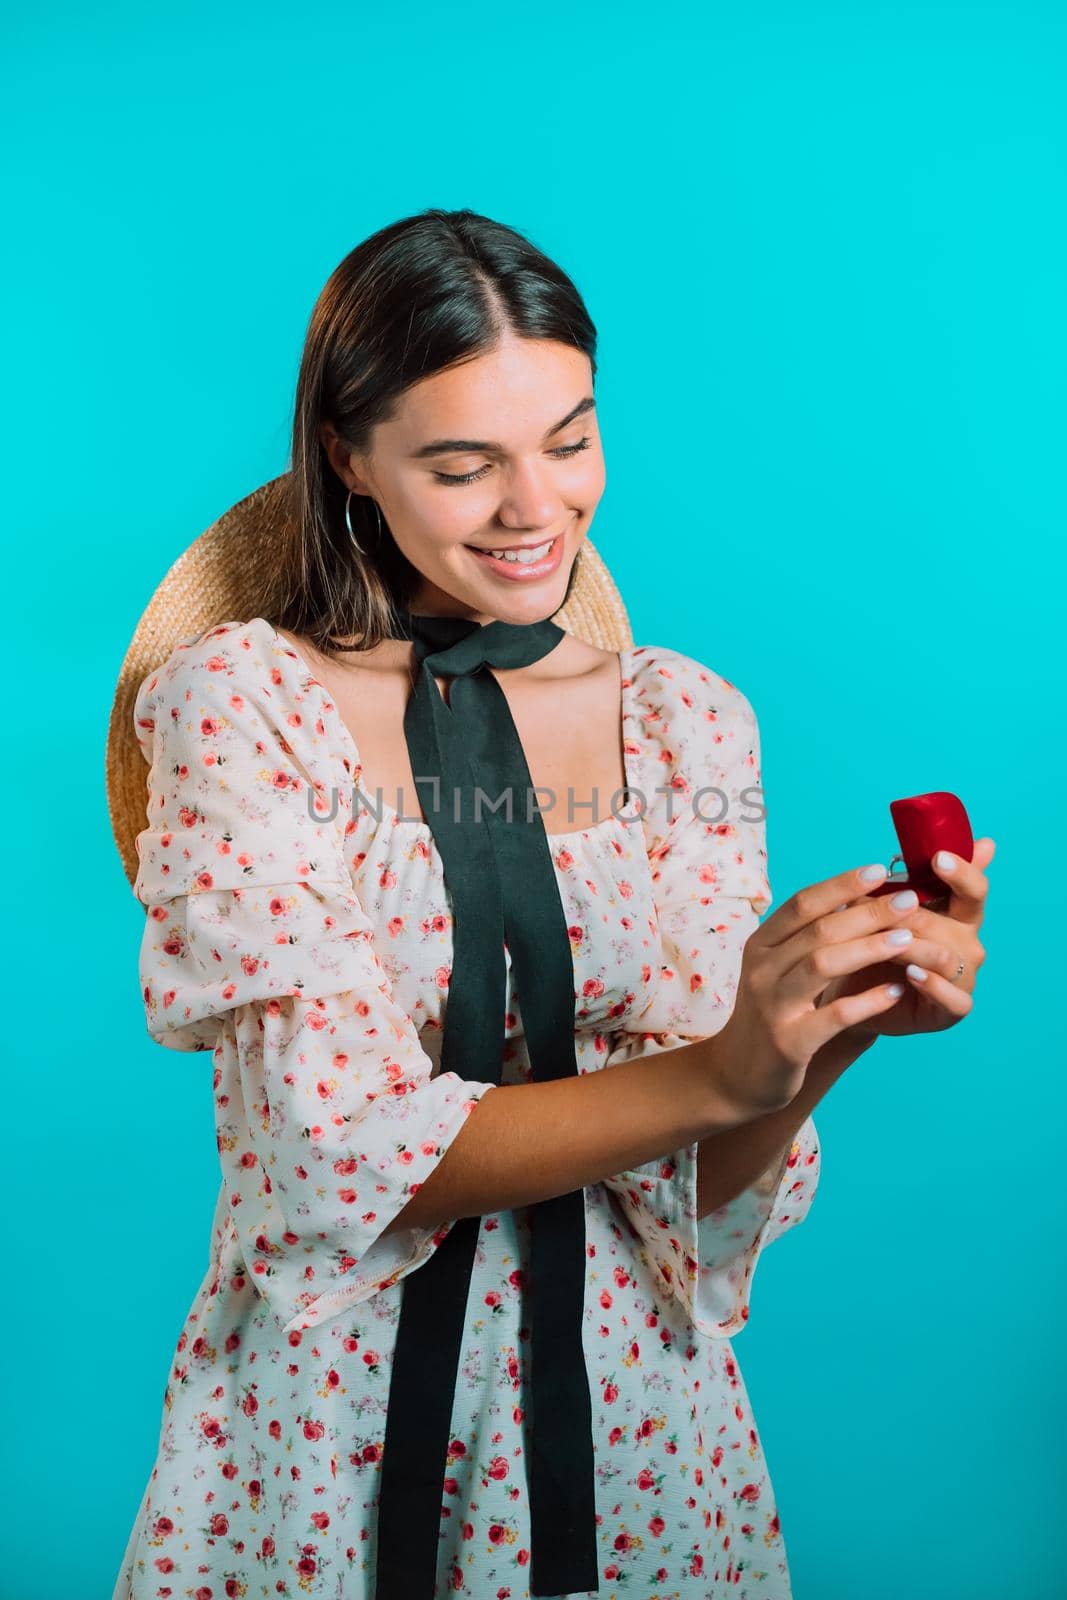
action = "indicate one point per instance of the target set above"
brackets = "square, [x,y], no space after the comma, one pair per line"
[523,572]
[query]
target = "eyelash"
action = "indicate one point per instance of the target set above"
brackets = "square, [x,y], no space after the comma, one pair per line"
[472,477]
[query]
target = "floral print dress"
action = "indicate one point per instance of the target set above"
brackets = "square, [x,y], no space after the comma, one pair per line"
[300,932]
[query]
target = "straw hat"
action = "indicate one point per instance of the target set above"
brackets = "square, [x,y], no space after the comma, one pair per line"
[208,584]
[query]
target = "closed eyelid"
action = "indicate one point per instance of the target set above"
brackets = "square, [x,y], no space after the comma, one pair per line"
[565,450]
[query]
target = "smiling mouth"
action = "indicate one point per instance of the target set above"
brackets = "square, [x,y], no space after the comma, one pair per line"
[526,553]
[526,565]
[519,554]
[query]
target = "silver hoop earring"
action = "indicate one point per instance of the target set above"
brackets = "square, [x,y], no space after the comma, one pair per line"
[348,524]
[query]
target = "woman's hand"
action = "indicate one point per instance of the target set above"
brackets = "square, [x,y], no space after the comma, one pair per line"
[782,1016]
[941,939]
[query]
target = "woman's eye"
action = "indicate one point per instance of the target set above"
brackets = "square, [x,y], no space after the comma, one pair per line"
[562,450]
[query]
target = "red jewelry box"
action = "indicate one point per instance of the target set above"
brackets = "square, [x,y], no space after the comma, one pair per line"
[925,824]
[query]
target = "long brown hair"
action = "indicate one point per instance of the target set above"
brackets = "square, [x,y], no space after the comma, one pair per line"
[412,299]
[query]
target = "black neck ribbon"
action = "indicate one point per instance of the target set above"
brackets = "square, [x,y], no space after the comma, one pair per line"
[499,873]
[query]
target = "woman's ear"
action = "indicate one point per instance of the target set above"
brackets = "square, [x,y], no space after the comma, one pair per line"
[335,451]
[341,459]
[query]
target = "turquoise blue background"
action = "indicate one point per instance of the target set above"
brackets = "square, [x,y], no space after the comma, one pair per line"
[825,249]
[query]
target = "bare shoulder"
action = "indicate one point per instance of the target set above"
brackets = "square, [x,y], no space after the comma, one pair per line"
[576,658]
[387,656]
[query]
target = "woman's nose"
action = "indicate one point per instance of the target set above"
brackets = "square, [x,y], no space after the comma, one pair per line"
[530,499]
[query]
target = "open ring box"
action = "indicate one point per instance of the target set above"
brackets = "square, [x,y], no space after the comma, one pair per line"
[925,824]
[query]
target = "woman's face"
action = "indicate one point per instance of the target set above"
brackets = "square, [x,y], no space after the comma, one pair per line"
[502,451]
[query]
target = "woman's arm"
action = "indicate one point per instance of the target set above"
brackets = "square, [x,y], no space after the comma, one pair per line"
[527,1142]
[730,1161]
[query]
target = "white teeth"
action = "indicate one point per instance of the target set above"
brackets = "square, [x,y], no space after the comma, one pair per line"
[523,557]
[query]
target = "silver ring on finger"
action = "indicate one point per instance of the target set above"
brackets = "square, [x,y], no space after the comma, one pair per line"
[959,972]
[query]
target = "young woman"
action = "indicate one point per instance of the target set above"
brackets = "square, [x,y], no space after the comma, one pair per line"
[510,1096]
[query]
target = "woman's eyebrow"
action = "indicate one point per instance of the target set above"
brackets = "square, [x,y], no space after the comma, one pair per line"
[442,447]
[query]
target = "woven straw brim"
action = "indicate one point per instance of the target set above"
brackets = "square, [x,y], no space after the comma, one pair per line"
[208,584]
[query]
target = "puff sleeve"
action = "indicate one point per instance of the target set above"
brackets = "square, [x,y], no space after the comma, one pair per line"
[707,845]
[256,947]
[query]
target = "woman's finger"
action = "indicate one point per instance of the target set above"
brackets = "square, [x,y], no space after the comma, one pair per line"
[955,999]
[825,1023]
[966,881]
[816,900]
[927,955]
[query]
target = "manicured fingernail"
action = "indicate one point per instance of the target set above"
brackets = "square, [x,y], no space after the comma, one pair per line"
[872,874]
[899,936]
[945,862]
[896,990]
[918,973]
[904,900]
